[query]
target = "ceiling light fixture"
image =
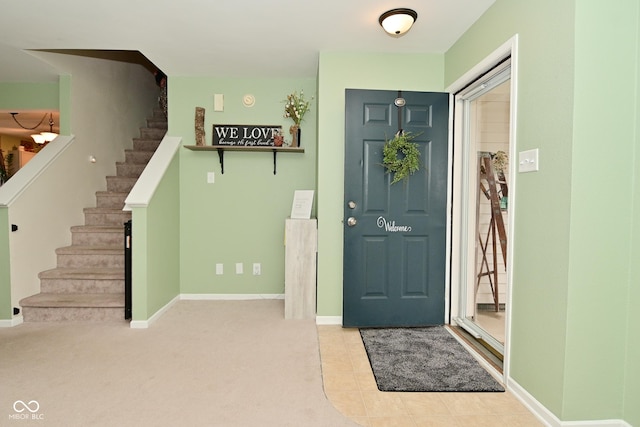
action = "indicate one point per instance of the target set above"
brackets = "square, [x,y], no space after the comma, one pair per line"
[396,22]
[42,137]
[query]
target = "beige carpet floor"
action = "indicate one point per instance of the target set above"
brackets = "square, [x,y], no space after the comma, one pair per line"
[203,363]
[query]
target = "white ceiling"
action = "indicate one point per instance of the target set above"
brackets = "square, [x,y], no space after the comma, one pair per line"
[241,38]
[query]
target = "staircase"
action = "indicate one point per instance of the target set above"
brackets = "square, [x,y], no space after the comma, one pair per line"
[88,282]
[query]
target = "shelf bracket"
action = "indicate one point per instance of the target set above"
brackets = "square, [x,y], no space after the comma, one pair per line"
[274,161]
[221,156]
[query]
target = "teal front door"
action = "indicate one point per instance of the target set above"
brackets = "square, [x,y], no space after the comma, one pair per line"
[394,234]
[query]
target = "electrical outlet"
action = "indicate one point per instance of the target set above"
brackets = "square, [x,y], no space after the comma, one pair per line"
[238,268]
[211,177]
[256,268]
[219,269]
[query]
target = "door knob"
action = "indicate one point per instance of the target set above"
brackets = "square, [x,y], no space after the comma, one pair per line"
[351,221]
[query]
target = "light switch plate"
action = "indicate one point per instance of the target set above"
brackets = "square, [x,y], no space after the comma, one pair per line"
[528,161]
[219,269]
[239,268]
[211,177]
[218,102]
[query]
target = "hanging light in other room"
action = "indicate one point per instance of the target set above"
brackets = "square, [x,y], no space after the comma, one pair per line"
[42,137]
[396,22]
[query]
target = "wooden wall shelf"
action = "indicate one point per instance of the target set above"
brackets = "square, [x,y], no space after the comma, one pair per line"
[222,148]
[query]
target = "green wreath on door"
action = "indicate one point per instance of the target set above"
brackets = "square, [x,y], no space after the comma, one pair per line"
[401,157]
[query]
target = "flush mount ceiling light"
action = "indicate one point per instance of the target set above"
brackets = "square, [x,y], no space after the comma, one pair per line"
[396,22]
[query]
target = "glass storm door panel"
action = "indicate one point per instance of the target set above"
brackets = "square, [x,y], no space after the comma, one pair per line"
[486,148]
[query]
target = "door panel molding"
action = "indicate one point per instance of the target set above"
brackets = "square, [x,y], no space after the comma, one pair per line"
[394,271]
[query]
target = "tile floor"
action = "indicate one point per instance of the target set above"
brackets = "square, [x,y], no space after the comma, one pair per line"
[349,384]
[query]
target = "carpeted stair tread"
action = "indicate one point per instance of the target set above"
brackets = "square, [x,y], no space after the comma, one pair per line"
[98,235]
[83,273]
[104,210]
[74,300]
[97,228]
[143,153]
[120,183]
[105,216]
[112,194]
[130,166]
[150,133]
[94,250]
[111,199]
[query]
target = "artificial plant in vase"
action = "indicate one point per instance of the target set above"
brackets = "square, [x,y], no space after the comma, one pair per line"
[295,108]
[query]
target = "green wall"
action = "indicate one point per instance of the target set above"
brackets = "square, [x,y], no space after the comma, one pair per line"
[5,276]
[29,96]
[603,153]
[632,367]
[156,248]
[338,71]
[542,199]
[570,344]
[163,219]
[240,218]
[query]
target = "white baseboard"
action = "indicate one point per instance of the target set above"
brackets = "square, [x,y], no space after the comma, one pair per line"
[10,323]
[329,320]
[596,423]
[230,297]
[548,418]
[144,324]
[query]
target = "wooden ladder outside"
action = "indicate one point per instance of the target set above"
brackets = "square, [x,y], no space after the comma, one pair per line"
[496,231]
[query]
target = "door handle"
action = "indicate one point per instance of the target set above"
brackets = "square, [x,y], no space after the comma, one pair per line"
[351,221]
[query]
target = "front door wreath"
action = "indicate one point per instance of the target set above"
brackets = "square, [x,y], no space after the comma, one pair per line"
[401,156]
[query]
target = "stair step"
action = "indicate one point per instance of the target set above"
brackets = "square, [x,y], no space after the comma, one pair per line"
[97,235]
[145,144]
[105,216]
[137,157]
[73,307]
[157,122]
[130,169]
[90,257]
[111,199]
[82,280]
[159,113]
[120,183]
[152,133]
[88,282]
